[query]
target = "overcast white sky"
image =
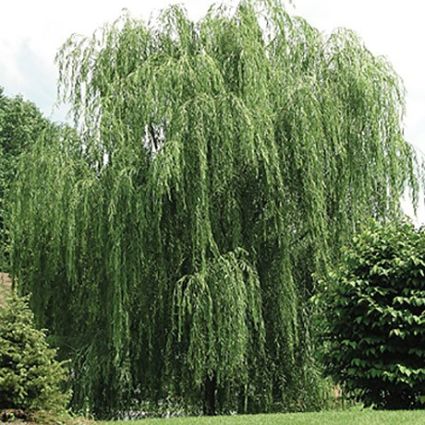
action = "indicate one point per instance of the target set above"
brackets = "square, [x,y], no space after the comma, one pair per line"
[32,31]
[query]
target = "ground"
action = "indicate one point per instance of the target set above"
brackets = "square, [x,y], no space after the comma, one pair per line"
[352,417]
[356,417]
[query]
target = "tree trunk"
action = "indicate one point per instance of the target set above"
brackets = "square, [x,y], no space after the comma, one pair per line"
[210,385]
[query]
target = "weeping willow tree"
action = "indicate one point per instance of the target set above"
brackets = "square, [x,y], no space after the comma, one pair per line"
[171,248]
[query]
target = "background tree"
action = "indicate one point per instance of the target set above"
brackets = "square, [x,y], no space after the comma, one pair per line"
[21,123]
[222,164]
[376,315]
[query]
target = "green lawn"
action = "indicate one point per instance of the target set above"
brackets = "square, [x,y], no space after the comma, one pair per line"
[357,417]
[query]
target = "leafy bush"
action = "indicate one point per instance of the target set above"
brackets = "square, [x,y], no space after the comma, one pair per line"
[376,317]
[30,377]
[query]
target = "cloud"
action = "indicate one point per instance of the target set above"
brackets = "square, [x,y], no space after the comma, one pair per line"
[32,32]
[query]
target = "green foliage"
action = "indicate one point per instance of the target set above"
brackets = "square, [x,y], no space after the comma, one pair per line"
[21,123]
[221,163]
[377,316]
[31,378]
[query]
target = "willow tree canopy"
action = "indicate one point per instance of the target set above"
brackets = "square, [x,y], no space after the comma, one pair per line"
[221,164]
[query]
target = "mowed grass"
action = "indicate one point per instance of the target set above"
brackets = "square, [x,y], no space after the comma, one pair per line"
[357,417]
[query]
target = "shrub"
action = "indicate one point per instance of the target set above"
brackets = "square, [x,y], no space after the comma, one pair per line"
[376,317]
[31,379]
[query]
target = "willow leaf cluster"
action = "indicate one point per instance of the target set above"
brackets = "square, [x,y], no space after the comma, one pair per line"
[219,165]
